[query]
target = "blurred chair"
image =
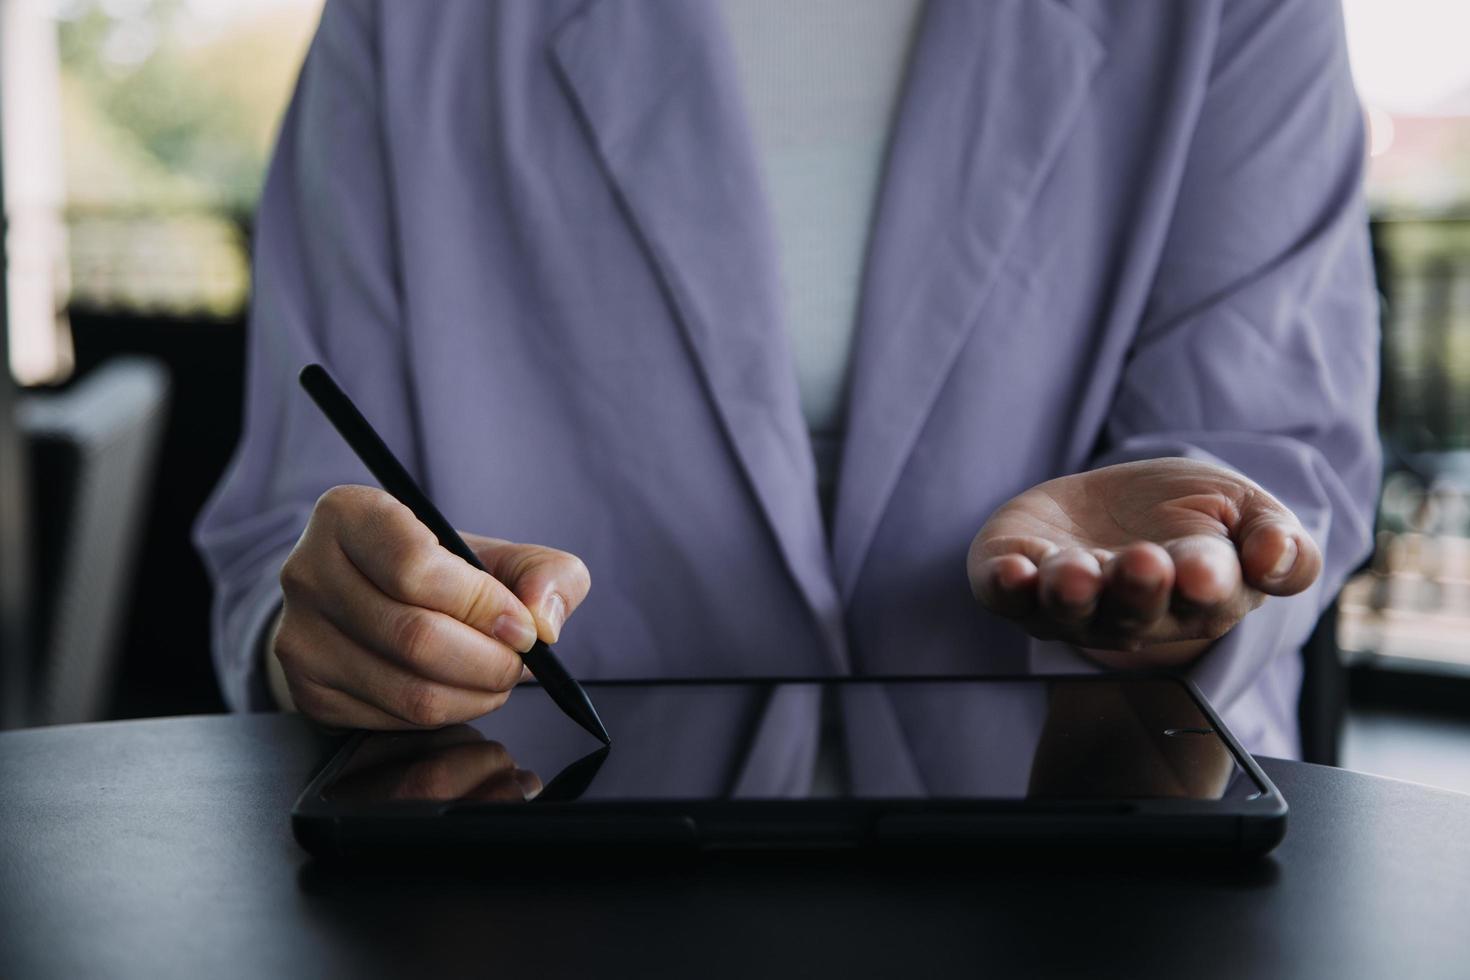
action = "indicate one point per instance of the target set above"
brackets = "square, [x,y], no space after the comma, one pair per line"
[1322,709]
[92,453]
[15,552]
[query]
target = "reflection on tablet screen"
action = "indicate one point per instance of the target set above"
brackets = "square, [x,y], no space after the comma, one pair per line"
[1102,739]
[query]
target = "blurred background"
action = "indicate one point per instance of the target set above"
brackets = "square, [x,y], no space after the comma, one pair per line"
[135,137]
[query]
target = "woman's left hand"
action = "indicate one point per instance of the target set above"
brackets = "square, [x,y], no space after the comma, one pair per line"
[1141,564]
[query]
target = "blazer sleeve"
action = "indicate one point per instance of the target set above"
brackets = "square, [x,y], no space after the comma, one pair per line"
[1259,347]
[325,289]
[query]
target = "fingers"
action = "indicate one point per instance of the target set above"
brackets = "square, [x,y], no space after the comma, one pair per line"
[384,628]
[550,583]
[1070,584]
[1140,581]
[403,559]
[322,665]
[1004,572]
[1006,585]
[431,644]
[1206,570]
[335,709]
[1277,556]
[1164,555]
[1140,595]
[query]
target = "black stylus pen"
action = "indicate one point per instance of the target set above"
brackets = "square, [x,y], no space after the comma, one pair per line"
[370,448]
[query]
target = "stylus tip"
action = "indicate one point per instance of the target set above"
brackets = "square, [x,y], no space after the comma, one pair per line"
[578,707]
[564,690]
[597,729]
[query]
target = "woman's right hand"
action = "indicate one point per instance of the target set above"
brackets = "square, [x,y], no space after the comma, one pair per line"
[384,628]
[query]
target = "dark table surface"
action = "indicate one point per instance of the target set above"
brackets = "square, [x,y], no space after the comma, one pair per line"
[164,848]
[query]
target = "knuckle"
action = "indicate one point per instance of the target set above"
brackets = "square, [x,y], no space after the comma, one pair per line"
[329,504]
[310,699]
[289,646]
[285,648]
[337,502]
[384,521]
[522,561]
[295,577]
[413,638]
[393,520]
[423,705]
[372,504]
[412,572]
[487,600]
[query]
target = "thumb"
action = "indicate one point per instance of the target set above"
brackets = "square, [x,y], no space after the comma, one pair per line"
[1277,555]
[551,583]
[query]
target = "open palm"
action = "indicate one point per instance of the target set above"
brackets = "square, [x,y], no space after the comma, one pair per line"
[1143,564]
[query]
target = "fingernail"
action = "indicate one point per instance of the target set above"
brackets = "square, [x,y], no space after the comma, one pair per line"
[514,633]
[528,783]
[1286,561]
[554,611]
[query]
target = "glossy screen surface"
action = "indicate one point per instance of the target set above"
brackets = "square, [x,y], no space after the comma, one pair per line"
[1073,739]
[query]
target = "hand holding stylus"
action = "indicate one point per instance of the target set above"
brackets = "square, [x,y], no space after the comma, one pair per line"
[383,628]
[411,568]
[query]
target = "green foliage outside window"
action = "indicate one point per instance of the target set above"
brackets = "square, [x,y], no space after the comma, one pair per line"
[170,108]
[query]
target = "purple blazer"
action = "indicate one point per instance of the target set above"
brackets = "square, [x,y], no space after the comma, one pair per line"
[531,241]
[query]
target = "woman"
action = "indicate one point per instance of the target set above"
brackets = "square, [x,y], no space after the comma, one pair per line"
[1098,309]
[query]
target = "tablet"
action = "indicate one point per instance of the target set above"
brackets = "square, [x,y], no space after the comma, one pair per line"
[1136,761]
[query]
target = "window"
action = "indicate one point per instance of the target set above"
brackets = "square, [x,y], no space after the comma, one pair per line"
[146,126]
[1412,607]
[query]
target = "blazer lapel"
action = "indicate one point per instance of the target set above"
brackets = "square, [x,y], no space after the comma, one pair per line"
[655,85]
[993,89]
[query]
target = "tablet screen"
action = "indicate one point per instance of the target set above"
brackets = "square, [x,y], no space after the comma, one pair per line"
[1066,739]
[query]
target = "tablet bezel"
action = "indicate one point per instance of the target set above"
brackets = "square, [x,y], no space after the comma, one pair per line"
[1248,826]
